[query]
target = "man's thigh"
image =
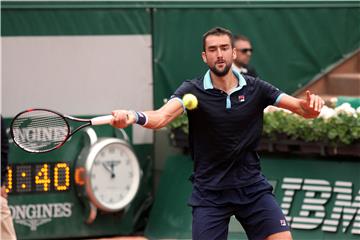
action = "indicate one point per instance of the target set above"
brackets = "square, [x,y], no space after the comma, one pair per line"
[210,223]
[262,218]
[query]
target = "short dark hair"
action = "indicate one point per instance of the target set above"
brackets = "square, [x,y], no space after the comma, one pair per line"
[241,37]
[218,31]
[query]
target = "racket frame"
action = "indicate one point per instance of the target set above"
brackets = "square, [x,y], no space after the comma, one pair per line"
[63,116]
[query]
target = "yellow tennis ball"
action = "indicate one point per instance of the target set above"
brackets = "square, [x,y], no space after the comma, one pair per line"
[190,101]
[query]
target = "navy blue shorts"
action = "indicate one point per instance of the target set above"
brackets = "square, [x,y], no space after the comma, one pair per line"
[260,217]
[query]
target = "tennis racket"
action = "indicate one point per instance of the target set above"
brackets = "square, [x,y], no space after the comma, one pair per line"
[43,130]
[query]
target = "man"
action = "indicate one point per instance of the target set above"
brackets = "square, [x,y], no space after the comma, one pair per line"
[224,131]
[244,51]
[7,227]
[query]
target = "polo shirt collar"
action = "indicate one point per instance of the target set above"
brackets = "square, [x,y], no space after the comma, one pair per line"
[208,84]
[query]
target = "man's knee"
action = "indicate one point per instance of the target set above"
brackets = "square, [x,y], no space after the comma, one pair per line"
[280,236]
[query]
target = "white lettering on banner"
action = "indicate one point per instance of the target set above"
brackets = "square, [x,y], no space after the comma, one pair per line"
[312,212]
[41,134]
[34,215]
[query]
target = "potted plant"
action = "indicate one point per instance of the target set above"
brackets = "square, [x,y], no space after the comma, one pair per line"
[335,132]
[179,133]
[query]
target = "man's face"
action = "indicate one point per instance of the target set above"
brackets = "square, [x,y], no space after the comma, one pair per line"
[219,54]
[243,52]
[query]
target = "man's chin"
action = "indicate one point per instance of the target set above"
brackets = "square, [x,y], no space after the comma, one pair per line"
[220,72]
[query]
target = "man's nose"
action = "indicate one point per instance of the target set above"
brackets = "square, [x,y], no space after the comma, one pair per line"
[219,53]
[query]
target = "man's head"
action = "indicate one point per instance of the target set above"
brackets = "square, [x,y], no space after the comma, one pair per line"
[218,52]
[243,50]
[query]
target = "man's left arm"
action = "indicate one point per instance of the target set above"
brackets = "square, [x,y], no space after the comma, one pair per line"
[309,107]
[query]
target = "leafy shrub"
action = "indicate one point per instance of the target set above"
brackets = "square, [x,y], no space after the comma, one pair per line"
[334,126]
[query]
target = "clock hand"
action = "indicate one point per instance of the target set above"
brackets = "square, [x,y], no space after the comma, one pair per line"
[105,165]
[109,166]
[112,169]
[113,164]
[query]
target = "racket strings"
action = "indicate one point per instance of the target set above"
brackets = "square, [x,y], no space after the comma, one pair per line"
[39,130]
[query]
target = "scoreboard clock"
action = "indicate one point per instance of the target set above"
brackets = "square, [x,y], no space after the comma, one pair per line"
[91,187]
[38,178]
[107,174]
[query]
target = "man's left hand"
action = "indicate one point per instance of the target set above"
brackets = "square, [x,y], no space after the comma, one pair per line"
[312,105]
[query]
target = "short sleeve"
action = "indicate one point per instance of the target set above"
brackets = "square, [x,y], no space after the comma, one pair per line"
[185,87]
[271,95]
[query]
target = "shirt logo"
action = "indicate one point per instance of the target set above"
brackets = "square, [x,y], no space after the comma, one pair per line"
[282,222]
[241,98]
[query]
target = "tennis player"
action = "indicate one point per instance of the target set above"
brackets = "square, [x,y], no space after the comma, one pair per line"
[224,131]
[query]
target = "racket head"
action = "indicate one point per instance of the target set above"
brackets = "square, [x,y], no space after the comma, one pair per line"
[39,130]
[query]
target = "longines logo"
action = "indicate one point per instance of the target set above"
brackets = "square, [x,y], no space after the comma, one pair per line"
[34,215]
[40,134]
[314,212]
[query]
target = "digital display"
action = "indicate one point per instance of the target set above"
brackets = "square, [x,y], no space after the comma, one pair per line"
[38,178]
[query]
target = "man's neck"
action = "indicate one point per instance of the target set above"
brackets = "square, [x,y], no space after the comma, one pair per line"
[225,83]
[240,65]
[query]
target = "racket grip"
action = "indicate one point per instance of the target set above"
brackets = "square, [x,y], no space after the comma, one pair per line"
[101,120]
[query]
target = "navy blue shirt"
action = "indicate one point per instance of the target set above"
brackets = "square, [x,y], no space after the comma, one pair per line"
[225,129]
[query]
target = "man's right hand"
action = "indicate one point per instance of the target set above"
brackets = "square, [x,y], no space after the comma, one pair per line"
[122,118]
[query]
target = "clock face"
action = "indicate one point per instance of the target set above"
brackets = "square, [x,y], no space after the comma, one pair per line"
[114,176]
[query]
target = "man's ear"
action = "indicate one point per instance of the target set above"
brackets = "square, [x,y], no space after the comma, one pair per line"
[234,53]
[203,55]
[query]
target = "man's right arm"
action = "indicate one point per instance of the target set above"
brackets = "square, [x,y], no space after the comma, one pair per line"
[155,119]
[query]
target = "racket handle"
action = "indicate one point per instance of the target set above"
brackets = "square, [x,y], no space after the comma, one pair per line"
[101,120]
